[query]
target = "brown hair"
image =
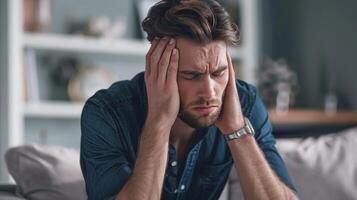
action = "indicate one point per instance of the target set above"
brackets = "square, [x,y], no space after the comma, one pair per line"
[200,20]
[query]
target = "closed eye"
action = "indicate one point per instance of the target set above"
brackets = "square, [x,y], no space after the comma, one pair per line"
[191,75]
[220,71]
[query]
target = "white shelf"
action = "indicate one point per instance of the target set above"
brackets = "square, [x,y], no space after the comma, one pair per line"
[53,109]
[60,42]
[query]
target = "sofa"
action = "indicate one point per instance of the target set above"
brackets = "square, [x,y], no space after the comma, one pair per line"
[323,167]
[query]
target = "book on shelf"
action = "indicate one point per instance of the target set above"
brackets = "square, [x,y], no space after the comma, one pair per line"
[31,76]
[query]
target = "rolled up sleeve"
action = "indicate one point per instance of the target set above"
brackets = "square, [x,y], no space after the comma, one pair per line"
[103,161]
[259,118]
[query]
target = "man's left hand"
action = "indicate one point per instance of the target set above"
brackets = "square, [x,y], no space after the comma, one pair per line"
[231,117]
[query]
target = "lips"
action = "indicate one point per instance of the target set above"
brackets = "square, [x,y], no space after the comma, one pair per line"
[205,109]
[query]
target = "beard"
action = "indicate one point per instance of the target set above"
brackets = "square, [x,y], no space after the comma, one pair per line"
[199,121]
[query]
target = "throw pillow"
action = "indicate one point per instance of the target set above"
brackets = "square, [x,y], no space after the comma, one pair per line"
[46,172]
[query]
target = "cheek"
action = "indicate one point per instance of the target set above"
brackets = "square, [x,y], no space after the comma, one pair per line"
[184,91]
[226,79]
[187,91]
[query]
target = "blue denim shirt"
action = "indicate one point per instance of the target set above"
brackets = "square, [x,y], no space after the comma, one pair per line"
[111,125]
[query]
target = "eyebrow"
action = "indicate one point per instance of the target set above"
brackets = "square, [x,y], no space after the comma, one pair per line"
[219,69]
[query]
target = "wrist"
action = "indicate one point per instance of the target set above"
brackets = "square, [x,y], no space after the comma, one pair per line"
[239,124]
[243,142]
[246,129]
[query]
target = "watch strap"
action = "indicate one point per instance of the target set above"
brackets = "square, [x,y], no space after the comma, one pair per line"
[246,130]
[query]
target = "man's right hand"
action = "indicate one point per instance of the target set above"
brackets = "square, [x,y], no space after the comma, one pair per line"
[161,82]
[147,178]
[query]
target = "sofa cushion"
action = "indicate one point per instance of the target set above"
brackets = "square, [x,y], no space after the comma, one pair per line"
[46,172]
[324,167]
[9,196]
[321,168]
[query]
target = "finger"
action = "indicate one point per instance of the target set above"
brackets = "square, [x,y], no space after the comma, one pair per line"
[156,55]
[231,70]
[148,56]
[233,86]
[165,60]
[171,78]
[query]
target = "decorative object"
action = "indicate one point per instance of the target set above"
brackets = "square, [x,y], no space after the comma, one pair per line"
[31,77]
[278,85]
[37,15]
[328,86]
[331,103]
[88,80]
[63,70]
[101,26]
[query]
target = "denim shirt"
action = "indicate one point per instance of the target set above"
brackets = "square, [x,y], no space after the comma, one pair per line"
[111,124]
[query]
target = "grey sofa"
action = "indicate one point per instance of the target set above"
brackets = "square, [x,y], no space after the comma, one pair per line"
[321,168]
[9,192]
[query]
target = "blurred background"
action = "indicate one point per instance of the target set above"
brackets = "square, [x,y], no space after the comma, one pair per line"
[55,54]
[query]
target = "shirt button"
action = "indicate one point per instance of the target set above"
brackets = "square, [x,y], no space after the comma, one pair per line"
[175,191]
[182,187]
[173,163]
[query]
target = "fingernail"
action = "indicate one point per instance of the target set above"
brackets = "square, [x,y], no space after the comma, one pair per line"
[174,52]
[172,40]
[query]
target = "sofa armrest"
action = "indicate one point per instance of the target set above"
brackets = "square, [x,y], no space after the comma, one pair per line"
[10,188]
[9,192]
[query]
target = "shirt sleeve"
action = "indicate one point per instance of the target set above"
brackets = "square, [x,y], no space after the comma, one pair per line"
[103,161]
[259,118]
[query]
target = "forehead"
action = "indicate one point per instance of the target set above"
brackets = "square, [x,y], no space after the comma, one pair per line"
[195,55]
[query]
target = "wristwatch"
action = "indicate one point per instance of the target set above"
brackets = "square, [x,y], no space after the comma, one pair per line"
[246,130]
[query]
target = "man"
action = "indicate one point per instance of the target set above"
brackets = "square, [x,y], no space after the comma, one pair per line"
[176,131]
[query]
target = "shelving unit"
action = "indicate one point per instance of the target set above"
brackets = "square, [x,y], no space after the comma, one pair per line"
[53,110]
[14,111]
[67,43]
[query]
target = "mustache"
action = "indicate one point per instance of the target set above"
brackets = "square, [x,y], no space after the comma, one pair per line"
[205,102]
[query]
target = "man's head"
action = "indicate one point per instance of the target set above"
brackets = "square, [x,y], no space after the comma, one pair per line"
[203,21]
[203,30]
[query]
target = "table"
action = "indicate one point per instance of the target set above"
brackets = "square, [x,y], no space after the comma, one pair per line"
[310,122]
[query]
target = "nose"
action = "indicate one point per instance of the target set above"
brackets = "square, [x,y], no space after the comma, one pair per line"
[207,88]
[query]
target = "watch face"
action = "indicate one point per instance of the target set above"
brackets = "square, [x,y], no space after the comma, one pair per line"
[249,126]
[88,81]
